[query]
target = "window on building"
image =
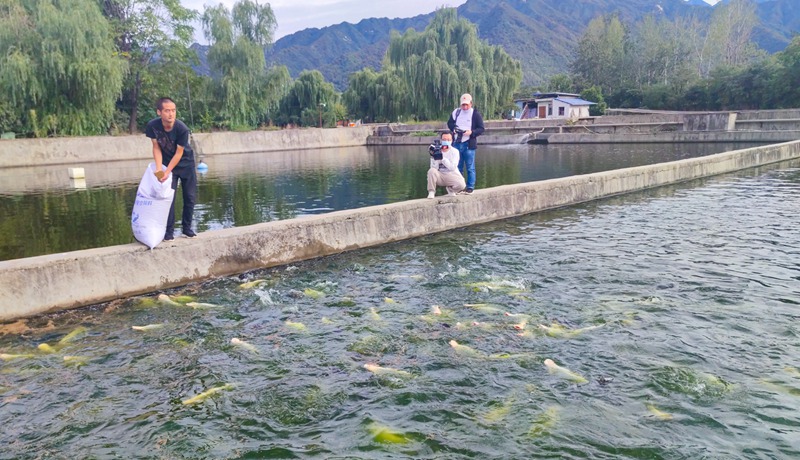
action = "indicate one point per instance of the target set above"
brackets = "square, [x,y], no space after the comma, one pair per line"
[561,111]
[549,109]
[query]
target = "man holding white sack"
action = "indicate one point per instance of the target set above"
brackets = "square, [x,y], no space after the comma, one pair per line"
[173,154]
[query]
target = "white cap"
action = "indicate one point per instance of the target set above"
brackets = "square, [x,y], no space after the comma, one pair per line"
[466,98]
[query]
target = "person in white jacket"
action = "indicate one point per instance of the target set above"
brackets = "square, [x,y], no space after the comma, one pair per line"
[444,168]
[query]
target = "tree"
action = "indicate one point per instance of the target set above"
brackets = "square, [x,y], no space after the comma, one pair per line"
[59,68]
[601,54]
[238,38]
[445,60]
[595,94]
[150,34]
[309,98]
[729,34]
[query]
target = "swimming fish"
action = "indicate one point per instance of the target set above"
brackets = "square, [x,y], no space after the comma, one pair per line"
[484,307]
[463,349]
[201,305]
[436,310]
[45,348]
[659,414]
[149,327]
[379,370]
[78,331]
[373,313]
[299,327]
[544,421]
[389,300]
[167,300]
[251,284]
[521,325]
[558,331]
[9,356]
[242,344]
[383,434]
[313,293]
[563,372]
[184,299]
[206,394]
[500,412]
[75,360]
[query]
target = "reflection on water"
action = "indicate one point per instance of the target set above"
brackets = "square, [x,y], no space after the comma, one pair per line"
[42,212]
[678,306]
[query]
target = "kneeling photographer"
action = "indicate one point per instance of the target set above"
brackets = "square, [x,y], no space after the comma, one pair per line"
[444,167]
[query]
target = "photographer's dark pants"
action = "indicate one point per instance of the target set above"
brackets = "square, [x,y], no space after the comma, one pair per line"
[188,178]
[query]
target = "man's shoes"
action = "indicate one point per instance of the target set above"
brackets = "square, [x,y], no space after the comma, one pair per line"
[169,236]
[431,194]
[467,191]
[188,233]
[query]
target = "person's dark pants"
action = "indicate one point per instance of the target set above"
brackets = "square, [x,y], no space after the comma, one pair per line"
[188,177]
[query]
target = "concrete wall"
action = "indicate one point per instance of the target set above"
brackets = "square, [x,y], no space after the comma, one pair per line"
[40,284]
[76,150]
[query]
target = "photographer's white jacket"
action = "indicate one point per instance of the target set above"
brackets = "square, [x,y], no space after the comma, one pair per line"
[449,161]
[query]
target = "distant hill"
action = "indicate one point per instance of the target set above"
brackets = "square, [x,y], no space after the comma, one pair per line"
[541,34]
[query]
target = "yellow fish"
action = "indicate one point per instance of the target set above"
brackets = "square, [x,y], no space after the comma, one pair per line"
[313,293]
[373,313]
[544,421]
[184,299]
[45,348]
[463,349]
[379,370]
[201,305]
[484,307]
[206,394]
[659,414]
[389,300]
[299,327]
[242,344]
[167,300]
[384,434]
[75,360]
[563,372]
[9,357]
[500,412]
[72,335]
[251,284]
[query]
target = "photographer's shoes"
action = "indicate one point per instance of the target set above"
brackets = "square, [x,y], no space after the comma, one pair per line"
[467,191]
[431,194]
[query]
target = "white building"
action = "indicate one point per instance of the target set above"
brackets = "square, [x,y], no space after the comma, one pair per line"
[553,105]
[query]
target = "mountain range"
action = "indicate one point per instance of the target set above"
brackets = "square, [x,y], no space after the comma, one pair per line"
[541,34]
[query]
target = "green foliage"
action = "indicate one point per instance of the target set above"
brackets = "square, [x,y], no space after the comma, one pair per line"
[426,72]
[60,64]
[601,54]
[154,37]
[561,83]
[595,94]
[309,102]
[237,41]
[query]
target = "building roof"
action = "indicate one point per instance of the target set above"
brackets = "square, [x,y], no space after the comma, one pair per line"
[575,101]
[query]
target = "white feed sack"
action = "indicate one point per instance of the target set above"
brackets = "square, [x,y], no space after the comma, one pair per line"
[151,209]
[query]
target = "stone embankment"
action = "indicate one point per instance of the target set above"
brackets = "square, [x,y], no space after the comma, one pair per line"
[621,126]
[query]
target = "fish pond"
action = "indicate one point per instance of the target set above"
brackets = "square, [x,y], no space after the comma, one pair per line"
[670,318]
[43,212]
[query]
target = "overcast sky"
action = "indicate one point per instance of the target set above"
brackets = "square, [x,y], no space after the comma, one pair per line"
[295,15]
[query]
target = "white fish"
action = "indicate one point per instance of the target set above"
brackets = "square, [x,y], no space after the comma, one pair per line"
[167,300]
[380,370]
[563,372]
[206,394]
[148,327]
[201,305]
[464,349]
[659,414]
[9,356]
[242,344]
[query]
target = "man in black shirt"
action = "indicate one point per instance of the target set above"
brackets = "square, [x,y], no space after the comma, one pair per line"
[172,154]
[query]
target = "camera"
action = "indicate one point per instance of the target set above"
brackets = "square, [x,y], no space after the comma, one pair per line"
[457,136]
[436,149]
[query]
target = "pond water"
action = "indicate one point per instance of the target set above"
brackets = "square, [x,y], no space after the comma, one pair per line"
[675,310]
[42,211]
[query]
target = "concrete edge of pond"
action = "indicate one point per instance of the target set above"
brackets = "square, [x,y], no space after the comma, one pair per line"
[37,285]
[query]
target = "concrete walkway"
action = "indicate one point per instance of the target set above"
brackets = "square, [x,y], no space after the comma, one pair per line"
[60,281]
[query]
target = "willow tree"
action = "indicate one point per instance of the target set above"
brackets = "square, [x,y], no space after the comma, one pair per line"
[447,59]
[375,97]
[154,37]
[238,39]
[59,68]
[310,101]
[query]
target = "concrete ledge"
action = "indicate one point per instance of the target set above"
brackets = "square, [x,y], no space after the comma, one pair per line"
[672,137]
[90,149]
[41,284]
